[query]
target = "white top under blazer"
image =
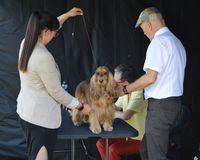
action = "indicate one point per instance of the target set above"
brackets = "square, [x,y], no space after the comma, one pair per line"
[167,56]
[41,93]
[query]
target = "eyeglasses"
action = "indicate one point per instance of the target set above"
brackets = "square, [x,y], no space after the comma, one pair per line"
[119,81]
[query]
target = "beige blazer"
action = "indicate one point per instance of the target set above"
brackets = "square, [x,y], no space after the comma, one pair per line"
[41,93]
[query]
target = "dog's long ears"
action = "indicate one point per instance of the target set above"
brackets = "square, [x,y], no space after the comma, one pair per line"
[94,91]
[111,83]
[93,88]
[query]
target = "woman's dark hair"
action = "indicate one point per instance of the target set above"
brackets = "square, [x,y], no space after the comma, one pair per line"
[127,72]
[38,21]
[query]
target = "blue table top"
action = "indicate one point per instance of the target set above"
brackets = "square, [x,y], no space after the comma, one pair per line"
[68,131]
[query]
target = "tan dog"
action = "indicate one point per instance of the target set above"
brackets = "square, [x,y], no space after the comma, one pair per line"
[99,92]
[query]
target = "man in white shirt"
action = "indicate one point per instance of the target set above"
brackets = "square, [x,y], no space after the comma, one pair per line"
[163,83]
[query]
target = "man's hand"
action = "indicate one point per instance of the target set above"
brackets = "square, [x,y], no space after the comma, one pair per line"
[119,91]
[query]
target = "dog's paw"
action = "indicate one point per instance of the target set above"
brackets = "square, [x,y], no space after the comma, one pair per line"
[96,130]
[108,128]
[77,123]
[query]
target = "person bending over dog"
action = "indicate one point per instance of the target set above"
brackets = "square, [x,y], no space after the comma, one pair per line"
[134,109]
[162,82]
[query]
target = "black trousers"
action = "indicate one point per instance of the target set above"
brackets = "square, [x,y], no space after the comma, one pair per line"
[161,117]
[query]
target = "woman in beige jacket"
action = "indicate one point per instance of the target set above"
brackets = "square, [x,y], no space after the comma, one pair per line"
[41,93]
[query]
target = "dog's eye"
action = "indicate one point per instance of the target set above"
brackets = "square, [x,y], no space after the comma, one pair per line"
[97,73]
[105,73]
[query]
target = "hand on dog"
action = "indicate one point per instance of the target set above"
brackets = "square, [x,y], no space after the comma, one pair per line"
[87,109]
[119,91]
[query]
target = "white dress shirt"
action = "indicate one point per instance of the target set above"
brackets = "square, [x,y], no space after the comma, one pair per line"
[167,56]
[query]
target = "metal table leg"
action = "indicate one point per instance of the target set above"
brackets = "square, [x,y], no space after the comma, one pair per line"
[72,149]
[107,149]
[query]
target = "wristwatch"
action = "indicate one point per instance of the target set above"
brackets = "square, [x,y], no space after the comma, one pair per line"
[125,90]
